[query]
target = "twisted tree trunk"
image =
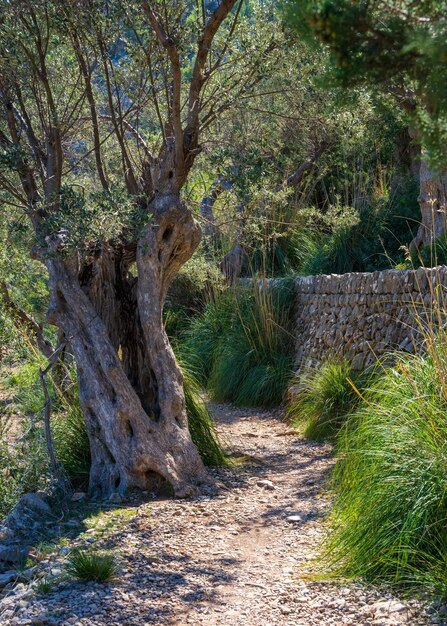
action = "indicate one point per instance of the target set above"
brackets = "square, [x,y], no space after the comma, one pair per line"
[130,386]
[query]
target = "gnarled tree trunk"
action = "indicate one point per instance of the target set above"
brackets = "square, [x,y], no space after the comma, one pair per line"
[433,202]
[130,386]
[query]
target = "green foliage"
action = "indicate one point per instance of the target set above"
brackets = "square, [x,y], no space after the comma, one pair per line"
[390,483]
[201,342]
[365,240]
[71,443]
[195,282]
[201,426]
[395,46]
[88,565]
[24,383]
[325,398]
[242,344]
[430,255]
[23,462]
[44,586]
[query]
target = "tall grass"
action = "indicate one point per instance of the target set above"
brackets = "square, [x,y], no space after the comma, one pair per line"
[202,340]
[201,425]
[243,344]
[389,517]
[325,398]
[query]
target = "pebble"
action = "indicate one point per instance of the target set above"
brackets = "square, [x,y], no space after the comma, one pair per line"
[231,559]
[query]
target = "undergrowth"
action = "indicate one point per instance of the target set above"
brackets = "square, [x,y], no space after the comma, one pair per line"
[87,565]
[242,345]
[326,396]
[390,484]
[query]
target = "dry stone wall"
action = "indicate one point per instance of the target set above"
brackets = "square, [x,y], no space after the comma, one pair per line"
[362,316]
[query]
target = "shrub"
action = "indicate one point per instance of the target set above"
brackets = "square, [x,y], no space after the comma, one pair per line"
[87,565]
[326,396]
[367,239]
[390,482]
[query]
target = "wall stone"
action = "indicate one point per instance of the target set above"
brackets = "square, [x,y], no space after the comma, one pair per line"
[362,316]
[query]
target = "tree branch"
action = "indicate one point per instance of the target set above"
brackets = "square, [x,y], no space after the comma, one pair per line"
[156,23]
[22,319]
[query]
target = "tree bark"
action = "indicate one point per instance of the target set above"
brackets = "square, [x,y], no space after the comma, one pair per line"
[130,386]
[433,203]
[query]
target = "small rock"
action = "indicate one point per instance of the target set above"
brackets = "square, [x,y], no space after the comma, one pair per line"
[294,519]
[78,496]
[266,484]
[6,533]
[388,608]
[11,554]
[8,577]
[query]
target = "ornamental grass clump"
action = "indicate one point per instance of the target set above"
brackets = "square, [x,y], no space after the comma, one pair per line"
[88,565]
[242,346]
[201,425]
[202,340]
[253,364]
[390,482]
[325,398]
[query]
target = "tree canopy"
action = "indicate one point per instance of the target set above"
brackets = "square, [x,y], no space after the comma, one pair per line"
[397,46]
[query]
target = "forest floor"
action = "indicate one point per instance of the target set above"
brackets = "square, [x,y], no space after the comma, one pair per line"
[231,559]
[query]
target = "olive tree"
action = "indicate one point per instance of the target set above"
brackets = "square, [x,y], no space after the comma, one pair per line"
[104,105]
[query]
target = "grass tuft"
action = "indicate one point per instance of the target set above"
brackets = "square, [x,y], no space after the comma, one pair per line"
[201,426]
[44,586]
[87,565]
[325,398]
[390,482]
[71,443]
[242,345]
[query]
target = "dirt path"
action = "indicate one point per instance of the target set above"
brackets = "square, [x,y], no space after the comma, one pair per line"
[228,560]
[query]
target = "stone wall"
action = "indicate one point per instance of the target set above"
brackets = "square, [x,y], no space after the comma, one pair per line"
[363,316]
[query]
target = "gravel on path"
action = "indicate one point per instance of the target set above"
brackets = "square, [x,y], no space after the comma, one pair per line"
[233,559]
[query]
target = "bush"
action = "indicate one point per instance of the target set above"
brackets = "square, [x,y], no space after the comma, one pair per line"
[367,239]
[87,565]
[242,345]
[325,398]
[390,482]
